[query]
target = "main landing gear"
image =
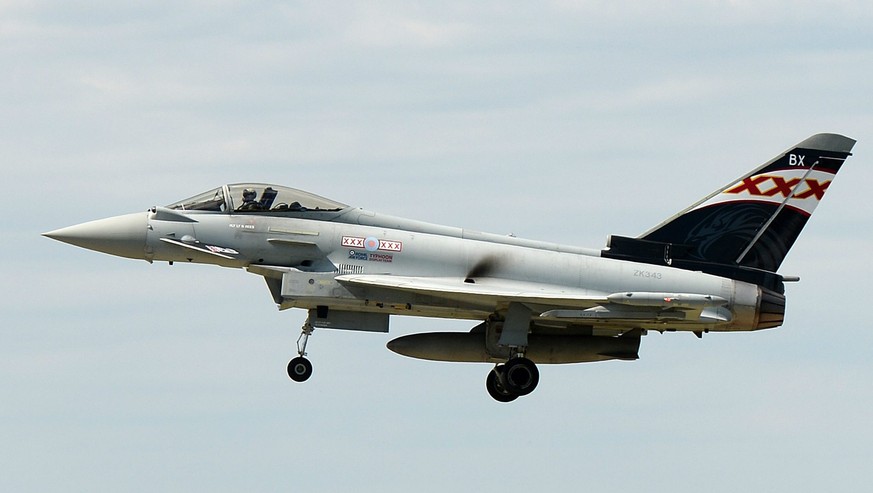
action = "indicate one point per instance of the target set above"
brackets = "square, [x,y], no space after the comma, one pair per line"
[299,368]
[517,377]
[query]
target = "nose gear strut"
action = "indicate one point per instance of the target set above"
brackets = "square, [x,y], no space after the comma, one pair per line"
[300,368]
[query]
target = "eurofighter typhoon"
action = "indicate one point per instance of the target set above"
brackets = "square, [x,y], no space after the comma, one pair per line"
[713,267]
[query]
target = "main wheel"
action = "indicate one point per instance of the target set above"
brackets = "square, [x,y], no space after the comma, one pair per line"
[299,369]
[520,376]
[495,389]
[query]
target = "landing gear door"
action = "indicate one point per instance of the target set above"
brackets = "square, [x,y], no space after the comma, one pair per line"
[344,320]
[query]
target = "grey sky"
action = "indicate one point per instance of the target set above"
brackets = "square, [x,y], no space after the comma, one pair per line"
[561,121]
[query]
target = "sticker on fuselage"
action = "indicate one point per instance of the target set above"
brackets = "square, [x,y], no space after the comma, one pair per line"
[218,249]
[370,257]
[372,244]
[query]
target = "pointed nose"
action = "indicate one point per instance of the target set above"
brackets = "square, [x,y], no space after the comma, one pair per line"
[124,236]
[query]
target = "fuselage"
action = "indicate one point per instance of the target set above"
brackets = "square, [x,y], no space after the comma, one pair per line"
[355,241]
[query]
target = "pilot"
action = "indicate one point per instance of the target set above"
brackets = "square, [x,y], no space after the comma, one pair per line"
[249,202]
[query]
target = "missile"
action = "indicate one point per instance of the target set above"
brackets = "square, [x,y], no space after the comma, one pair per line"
[667,300]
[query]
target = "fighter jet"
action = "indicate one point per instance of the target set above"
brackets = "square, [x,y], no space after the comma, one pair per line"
[712,267]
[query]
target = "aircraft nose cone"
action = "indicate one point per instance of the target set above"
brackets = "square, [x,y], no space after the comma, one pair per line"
[124,236]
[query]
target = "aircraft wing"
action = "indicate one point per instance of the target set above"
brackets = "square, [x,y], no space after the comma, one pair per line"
[482,290]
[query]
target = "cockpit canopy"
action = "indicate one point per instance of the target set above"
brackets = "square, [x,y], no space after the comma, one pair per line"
[257,197]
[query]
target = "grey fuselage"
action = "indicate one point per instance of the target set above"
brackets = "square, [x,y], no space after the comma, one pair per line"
[301,254]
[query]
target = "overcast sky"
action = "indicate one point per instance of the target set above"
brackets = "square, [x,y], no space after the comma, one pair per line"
[563,121]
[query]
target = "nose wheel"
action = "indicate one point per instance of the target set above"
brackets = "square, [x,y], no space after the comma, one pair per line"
[300,368]
[507,382]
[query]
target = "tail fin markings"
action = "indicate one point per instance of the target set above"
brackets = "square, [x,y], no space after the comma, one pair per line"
[745,229]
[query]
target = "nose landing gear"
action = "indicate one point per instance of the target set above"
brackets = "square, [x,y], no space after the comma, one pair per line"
[300,368]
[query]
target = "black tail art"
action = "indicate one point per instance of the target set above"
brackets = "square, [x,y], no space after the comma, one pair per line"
[745,229]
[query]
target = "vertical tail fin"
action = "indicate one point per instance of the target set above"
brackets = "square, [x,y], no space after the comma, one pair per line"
[751,223]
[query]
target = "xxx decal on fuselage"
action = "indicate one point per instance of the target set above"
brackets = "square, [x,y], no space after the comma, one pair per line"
[372,244]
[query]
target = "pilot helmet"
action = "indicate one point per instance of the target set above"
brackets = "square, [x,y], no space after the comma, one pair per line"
[249,194]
